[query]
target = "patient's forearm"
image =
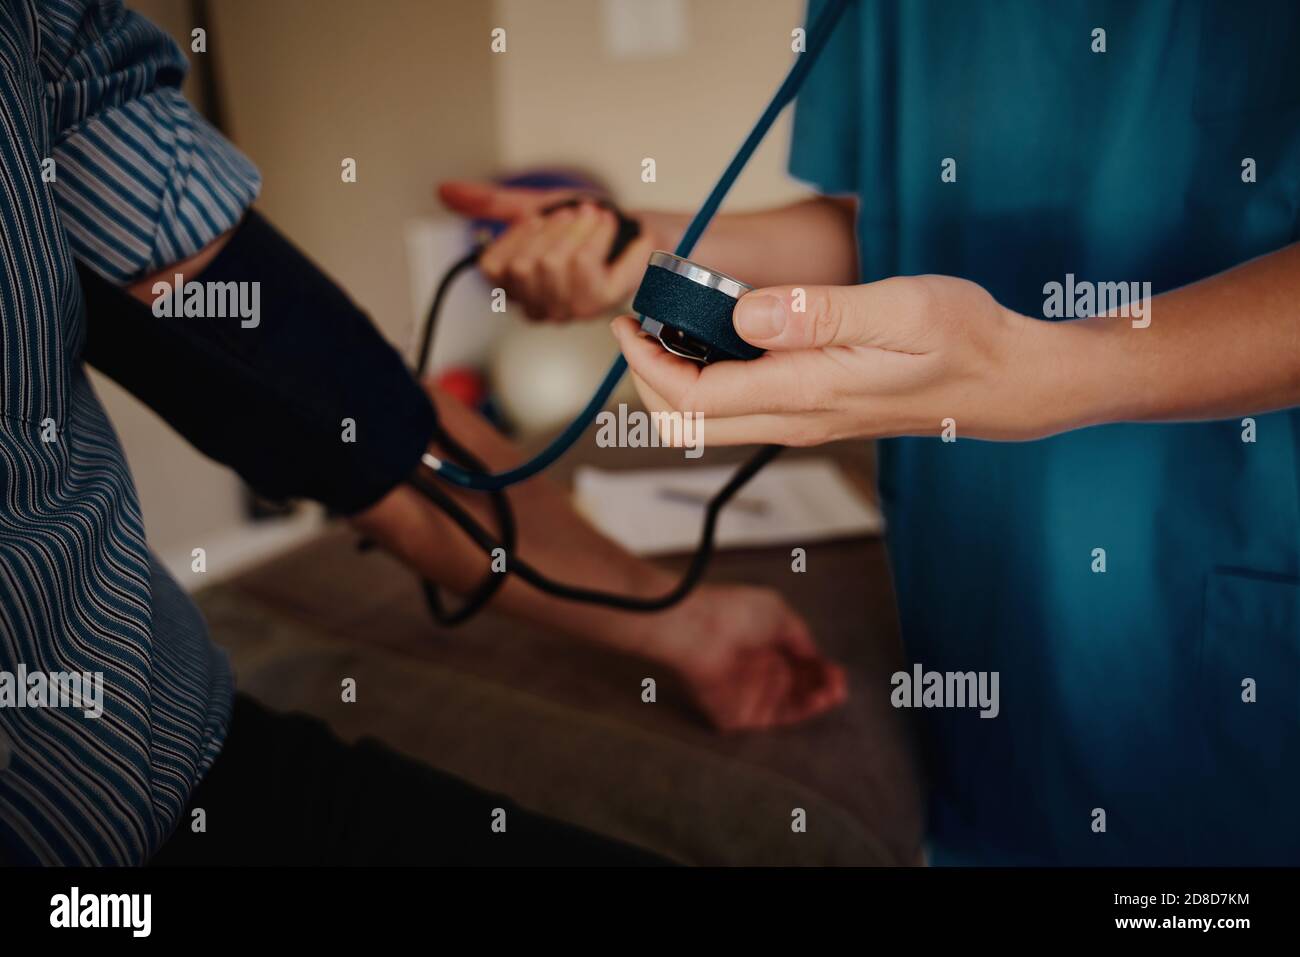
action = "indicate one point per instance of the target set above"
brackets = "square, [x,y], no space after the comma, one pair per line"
[552,537]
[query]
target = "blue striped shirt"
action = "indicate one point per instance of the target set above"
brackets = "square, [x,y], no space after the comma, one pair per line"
[139,181]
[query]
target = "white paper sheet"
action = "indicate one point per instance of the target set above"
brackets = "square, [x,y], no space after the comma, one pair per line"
[659,511]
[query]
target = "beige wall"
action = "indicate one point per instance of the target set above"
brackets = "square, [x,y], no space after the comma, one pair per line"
[562,97]
[412,91]
[174,17]
[404,87]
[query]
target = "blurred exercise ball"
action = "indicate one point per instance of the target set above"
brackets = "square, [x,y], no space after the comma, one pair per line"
[543,373]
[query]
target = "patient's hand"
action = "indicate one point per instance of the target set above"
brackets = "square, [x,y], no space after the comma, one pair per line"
[747,658]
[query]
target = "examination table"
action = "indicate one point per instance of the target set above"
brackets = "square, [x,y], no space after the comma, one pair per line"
[561,727]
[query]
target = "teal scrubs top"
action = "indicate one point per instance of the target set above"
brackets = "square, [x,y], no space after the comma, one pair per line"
[1121,691]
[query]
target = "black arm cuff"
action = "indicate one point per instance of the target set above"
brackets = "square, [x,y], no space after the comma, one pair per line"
[302,396]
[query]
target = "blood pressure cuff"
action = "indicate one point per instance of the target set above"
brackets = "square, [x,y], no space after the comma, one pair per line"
[265,365]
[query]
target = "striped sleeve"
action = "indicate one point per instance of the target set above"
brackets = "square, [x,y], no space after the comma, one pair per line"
[82,604]
[142,181]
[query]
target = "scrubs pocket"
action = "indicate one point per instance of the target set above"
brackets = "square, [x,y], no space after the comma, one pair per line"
[1249,806]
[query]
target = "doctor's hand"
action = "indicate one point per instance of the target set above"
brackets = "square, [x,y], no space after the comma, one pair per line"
[551,264]
[897,357]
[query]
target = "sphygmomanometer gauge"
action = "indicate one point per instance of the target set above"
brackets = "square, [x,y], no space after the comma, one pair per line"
[688,308]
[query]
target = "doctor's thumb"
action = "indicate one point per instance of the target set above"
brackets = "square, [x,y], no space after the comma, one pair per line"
[795,317]
[478,200]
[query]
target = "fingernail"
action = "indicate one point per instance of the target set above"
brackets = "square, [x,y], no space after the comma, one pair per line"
[760,317]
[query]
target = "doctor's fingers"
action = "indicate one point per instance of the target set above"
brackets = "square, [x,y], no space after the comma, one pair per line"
[724,388]
[625,273]
[556,250]
[482,200]
[589,273]
[777,383]
[763,429]
[612,283]
[891,313]
[497,263]
[533,271]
